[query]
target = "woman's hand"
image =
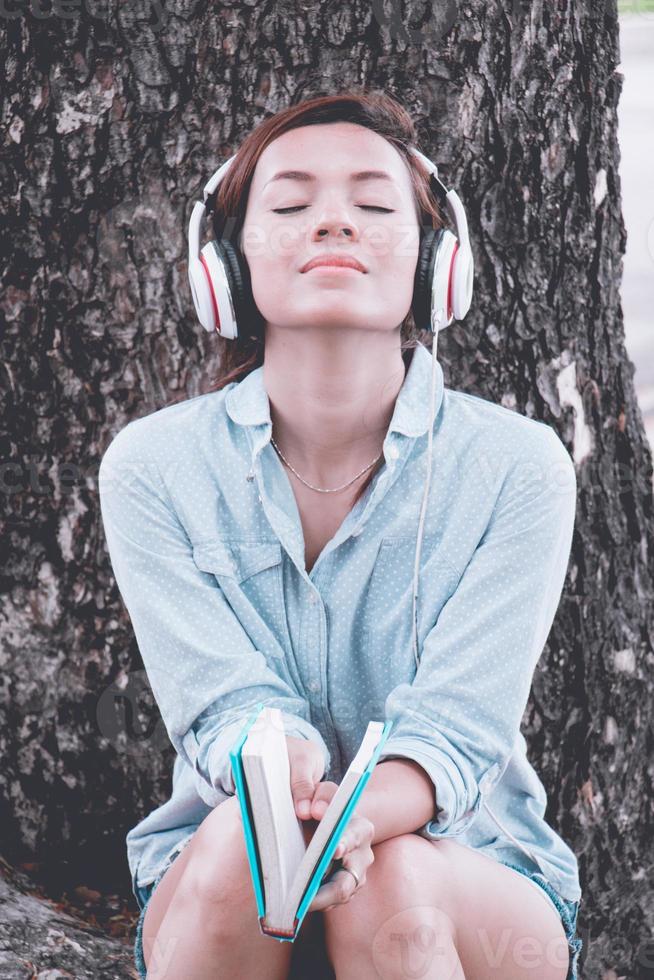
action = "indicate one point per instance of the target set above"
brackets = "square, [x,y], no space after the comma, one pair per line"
[354,849]
[307,765]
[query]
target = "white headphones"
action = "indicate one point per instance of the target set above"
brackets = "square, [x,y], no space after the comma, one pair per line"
[220,277]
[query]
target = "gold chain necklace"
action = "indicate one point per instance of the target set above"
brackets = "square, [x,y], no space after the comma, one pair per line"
[311,487]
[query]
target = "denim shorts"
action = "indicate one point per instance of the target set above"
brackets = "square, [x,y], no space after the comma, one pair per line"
[567,909]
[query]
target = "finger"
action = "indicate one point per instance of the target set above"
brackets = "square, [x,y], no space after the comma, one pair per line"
[322,898]
[359,833]
[365,828]
[307,766]
[349,842]
[322,798]
[302,786]
[351,839]
[337,891]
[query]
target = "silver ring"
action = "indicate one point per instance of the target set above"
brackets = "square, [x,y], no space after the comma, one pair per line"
[353,873]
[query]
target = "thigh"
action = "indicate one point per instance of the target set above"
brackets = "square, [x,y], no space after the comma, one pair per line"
[162,896]
[422,898]
[505,929]
[201,859]
[215,827]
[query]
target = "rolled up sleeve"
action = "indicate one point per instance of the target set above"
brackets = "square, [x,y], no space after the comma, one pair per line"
[204,671]
[460,716]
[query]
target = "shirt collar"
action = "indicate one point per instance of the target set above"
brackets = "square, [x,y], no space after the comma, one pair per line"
[247,402]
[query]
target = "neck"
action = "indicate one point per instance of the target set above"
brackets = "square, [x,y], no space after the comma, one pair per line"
[331,403]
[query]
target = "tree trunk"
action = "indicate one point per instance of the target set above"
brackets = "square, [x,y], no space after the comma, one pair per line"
[40,941]
[115,115]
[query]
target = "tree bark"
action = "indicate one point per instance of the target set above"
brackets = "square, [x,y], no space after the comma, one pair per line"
[114,116]
[38,941]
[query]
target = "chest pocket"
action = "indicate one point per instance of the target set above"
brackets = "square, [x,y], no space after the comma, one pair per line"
[388,618]
[250,576]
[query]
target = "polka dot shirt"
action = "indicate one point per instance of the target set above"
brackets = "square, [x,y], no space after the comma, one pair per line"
[207,549]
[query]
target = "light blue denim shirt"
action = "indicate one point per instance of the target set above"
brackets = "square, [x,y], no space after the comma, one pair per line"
[207,548]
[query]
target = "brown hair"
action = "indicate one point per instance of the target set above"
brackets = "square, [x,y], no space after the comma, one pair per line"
[375,110]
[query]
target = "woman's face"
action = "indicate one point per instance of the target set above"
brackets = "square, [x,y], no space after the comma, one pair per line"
[329,209]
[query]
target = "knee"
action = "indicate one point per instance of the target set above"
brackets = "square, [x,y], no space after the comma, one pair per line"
[398,898]
[411,866]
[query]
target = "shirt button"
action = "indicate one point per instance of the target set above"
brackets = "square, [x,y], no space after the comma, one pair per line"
[314,687]
[393,452]
[312,598]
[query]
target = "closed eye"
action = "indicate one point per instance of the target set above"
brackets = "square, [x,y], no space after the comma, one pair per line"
[299,207]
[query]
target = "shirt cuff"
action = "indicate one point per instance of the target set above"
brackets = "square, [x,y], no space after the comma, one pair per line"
[457,801]
[220,765]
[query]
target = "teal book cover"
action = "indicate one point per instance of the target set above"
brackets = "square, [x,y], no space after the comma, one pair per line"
[325,865]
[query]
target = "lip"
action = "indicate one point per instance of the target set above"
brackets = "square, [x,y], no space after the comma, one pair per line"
[339,261]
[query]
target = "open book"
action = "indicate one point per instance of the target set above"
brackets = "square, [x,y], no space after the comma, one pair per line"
[286,874]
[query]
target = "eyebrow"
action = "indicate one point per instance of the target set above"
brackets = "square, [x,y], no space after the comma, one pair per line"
[359,176]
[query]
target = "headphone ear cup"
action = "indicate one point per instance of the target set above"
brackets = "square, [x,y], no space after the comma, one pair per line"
[422,283]
[237,273]
[432,305]
[217,285]
[462,281]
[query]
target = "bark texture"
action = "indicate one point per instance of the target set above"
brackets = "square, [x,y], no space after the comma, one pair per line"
[113,116]
[40,941]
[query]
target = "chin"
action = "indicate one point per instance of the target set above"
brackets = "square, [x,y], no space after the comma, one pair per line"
[342,321]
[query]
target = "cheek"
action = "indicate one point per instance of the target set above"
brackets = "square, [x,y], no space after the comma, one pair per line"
[388,244]
[272,260]
[276,246]
[396,285]
[270,292]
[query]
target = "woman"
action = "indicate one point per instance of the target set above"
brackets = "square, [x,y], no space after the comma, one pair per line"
[262,537]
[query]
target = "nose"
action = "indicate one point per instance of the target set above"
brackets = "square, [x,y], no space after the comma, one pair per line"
[334,221]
